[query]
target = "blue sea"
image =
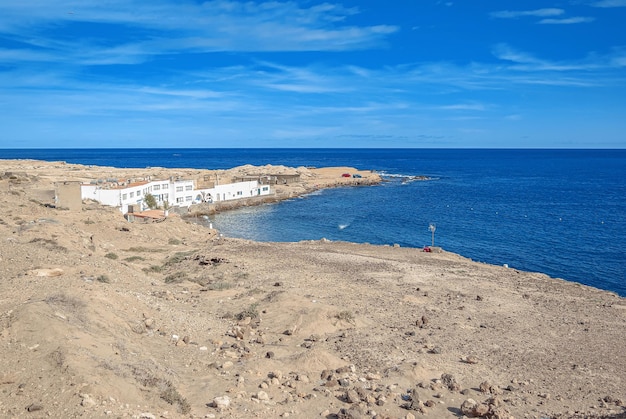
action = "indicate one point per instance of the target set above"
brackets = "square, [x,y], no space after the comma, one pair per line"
[560,212]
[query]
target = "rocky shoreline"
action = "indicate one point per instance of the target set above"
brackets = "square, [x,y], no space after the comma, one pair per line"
[104,318]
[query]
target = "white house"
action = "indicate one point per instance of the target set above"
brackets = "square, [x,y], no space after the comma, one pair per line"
[179,193]
[230,191]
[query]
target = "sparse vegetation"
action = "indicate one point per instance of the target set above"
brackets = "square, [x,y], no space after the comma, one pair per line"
[139,249]
[134,259]
[167,390]
[173,241]
[65,301]
[178,257]
[153,269]
[219,286]
[345,316]
[49,244]
[104,279]
[150,201]
[175,278]
[111,256]
[251,312]
[170,394]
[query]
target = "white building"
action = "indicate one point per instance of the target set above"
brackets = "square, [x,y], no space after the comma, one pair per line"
[179,193]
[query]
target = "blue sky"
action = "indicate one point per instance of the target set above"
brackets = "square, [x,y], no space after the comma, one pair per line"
[407,73]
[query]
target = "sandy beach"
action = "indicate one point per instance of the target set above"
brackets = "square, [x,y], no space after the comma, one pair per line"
[100,317]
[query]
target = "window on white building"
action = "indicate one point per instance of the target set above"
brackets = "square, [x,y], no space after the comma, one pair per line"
[156,187]
[188,187]
[179,189]
[138,193]
[124,197]
[165,186]
[188,198]
[132,194]
[179,200]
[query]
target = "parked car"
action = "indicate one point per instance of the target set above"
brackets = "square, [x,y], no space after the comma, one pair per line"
[357,176]
[346,175]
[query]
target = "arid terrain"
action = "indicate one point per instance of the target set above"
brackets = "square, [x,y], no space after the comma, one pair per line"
[100,317]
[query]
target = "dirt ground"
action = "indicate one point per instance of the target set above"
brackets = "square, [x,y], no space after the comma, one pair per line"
[100,317]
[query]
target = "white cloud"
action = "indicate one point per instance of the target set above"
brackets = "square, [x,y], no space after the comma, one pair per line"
[567,21]
[172,27]
[464,107]
[609,3]
[513,14]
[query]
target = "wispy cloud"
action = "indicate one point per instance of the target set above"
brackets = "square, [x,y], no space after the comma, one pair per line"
[566,21]
[609,3]
[513,14]
[527,62]
[52,30]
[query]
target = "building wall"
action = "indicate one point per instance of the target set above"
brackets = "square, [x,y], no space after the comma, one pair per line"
[180,193]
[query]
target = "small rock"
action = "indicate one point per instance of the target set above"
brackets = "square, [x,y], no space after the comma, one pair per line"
[33,407]
[269,354]
[352,396]
[87,401]
[468,406]
[450,382]
[263,396]
[481,410]
[470,359]
[221,402]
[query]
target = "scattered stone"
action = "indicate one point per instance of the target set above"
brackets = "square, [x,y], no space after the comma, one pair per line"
[87,401]
[450,382]
[221,402]
[269,355]
[470,359]
[468,406]
[263,396]
[33,407]
[352,396]
[487,387]
[422,322]
[327,375]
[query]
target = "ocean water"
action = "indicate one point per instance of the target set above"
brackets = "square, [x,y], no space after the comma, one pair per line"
[560,212]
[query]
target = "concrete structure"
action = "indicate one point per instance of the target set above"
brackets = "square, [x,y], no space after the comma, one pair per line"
[170,193]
